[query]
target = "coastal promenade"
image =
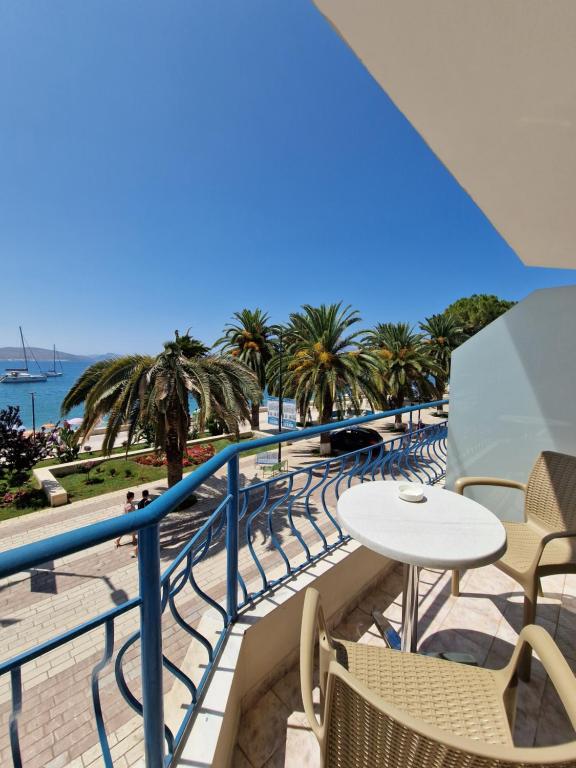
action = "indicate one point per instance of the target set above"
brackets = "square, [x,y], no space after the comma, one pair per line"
[57,721]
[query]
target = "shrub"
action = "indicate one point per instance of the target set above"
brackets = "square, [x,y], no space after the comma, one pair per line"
[66,446]
[151,460]
[112,471]
[18,451]
[128,472]
[195,454]
[22,498]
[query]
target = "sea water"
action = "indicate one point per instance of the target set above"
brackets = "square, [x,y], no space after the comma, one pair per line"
[48,395]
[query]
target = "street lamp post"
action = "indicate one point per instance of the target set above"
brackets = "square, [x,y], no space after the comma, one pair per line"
[33,415]
[281,353]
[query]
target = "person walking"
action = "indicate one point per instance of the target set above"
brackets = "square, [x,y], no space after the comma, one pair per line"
[129,506]
[145,500]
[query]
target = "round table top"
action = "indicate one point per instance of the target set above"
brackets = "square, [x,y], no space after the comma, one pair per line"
[444,530]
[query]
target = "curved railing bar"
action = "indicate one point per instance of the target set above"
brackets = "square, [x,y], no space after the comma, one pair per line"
[323,500]
[194,540]
[29,555]
[104,661]
[249,521]
[127,694]
[296,497]
[273,537]
[65,637]
[16,686]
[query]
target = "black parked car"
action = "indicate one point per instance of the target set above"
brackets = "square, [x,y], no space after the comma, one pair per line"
[354,438]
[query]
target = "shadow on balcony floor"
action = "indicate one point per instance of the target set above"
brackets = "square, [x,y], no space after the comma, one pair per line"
[484,621]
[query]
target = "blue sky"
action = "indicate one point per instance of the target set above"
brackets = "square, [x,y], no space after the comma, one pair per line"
[164,164]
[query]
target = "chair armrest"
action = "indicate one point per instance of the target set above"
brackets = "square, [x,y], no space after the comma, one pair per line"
[464,482]
[553,661]
[546,540]
[312,618]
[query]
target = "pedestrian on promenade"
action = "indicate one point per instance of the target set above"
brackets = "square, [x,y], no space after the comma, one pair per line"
[145,500]
[129,506]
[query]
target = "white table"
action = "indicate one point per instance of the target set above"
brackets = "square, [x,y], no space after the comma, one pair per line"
[445,530]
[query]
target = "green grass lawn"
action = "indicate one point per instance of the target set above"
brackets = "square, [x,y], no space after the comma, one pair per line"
[115,475]
[94,454]
[110,476]
[136,447]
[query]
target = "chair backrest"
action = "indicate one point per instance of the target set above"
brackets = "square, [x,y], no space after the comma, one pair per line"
[363,731]
[551,491]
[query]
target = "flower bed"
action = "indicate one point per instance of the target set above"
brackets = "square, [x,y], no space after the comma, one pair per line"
[195,455]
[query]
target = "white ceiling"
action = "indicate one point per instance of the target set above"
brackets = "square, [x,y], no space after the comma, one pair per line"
[490,85]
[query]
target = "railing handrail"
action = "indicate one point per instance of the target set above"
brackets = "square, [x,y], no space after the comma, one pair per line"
[30,555]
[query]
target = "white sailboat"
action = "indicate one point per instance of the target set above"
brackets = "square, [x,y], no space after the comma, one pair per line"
[22,375]
[53,372]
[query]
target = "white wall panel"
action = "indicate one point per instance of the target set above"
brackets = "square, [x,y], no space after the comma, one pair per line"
[513,394]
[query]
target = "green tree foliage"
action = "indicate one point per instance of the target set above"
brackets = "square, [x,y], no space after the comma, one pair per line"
[476,312]
[249,338]
[323,363]
[66,446]
[20,451]
[404,363]
[443,335]
[139,389]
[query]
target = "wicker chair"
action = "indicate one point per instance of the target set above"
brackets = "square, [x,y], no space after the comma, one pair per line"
[545,543]
[387,709]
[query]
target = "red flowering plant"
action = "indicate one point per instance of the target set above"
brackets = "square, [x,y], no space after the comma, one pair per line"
[195,455]
[152,460]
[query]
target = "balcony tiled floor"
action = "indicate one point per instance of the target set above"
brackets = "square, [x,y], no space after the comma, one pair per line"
[484,621]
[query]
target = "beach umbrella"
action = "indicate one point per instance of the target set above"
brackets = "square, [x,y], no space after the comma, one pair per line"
[75,422]
[49,425]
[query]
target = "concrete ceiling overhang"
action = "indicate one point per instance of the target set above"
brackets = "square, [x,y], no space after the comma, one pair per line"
[490,85]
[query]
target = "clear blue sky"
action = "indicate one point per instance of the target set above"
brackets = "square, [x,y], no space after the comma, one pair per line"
[163,164]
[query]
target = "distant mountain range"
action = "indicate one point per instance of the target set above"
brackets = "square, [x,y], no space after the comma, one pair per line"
[15,353]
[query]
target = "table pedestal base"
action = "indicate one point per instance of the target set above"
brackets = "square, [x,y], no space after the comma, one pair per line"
[410,609]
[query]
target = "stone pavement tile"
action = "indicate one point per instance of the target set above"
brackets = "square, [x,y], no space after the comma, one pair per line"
[263,729]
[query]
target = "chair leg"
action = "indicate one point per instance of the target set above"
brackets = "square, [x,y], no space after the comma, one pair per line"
[540,590]
[455,583]
[525,662]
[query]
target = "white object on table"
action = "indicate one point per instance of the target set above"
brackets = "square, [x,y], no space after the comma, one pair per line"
[445,530]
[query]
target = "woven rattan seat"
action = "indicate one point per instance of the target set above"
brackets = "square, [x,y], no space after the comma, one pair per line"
[545,543]
[459,699]
[387,709]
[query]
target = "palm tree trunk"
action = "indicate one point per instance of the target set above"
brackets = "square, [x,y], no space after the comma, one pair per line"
[174,449]
[398,418]
[440,389]
[255,417]
[326,418]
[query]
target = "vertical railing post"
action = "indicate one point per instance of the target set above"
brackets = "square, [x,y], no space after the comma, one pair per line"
[151,645]
[232,538]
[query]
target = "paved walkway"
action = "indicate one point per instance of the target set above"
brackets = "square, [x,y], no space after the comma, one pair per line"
[57,725]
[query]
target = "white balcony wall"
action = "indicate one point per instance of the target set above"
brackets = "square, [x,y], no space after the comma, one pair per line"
[513,394]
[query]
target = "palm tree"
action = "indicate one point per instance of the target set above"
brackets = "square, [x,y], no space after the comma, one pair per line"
[444,335]
[139,389]
[323,363]
[249,339]
[404,364]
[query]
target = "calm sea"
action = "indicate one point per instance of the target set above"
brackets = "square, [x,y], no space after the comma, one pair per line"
[48,394]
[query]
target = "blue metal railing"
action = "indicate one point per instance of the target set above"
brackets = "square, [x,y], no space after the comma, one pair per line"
[284,523]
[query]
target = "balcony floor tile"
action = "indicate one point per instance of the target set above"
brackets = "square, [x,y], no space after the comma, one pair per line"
[484,620]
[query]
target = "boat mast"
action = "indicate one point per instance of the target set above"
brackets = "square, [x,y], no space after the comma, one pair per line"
[23,348]
[54,364]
